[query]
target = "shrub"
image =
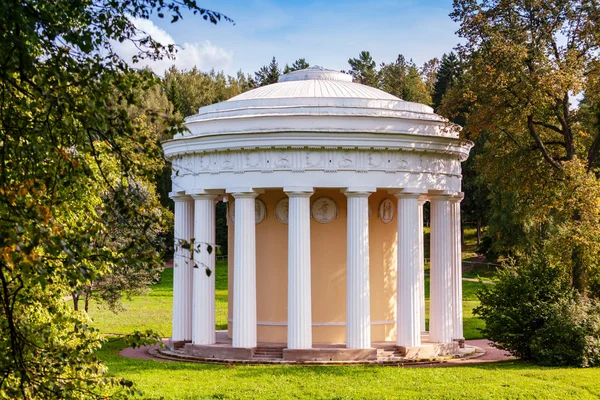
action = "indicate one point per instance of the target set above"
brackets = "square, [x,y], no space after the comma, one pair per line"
[533,313]
[571,335]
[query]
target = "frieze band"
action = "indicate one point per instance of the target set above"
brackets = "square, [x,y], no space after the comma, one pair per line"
[328,160]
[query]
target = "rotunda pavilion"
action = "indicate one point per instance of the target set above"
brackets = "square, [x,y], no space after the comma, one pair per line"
[325,181]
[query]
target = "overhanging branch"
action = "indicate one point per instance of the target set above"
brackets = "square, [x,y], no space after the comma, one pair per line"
[540,143]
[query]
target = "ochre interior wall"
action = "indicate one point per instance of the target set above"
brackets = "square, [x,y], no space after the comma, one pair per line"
[328,272]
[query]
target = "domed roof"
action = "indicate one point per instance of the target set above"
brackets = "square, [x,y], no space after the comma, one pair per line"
[316,82]
[316,99]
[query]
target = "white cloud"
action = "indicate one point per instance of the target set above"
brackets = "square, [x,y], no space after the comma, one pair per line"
[204,55]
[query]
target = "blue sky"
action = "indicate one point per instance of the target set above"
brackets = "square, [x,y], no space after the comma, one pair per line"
[326,33]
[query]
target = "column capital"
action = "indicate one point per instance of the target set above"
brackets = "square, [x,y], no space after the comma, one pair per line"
[457,197]
[243,193]
[440,195]
[406,192]
[358,191]
[298,191]
[203,196]
[179,196]
[407,195]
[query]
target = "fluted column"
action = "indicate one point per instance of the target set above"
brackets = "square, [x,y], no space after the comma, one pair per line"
[203,314]
[358,298]
[299,288]
[408,307]
[420,203]
[440,314]
[244,270]
[182,268]
[457,314]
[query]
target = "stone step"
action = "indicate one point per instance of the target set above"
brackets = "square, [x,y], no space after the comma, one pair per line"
[268,353]
[389,354]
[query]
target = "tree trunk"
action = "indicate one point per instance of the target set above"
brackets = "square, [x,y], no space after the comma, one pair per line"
[75,298]
[478,231]
[87,300]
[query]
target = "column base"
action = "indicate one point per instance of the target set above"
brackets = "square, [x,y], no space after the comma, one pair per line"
[329,354]
[177,344]
[461,342]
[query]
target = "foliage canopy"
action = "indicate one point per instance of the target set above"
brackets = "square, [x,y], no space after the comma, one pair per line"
[526,62]
[73,161]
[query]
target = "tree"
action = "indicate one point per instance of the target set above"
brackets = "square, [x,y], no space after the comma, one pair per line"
[297,65]
[268,74]
[429,72]
[151,232]
[71,157]
[403,79]
[447,76]
[526,60]
[363,69]
[190,90]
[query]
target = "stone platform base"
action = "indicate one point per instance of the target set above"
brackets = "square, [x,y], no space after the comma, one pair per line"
[382,353]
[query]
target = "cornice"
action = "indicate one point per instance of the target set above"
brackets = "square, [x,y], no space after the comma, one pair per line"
[315,140]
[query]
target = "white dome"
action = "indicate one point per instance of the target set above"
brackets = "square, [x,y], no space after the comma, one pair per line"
[322,95]
[315,88]
[316,82]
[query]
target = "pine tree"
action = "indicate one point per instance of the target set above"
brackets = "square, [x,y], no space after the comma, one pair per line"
[363,69]
[449,72]
[297,65]
[268,74]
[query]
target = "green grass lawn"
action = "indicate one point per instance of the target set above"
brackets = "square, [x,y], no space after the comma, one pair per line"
[172,380]
[484,271]
[506,380]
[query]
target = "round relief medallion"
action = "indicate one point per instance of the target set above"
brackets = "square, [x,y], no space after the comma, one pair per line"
[386,211]
[282,210]
[260,211]
[324,210]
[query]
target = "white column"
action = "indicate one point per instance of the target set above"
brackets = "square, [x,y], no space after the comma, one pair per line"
[421,267]
[440,311]
[358,298]
[457,314]
[408,307]
[182,268]
[203,314]
[299,288]
[244,270]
